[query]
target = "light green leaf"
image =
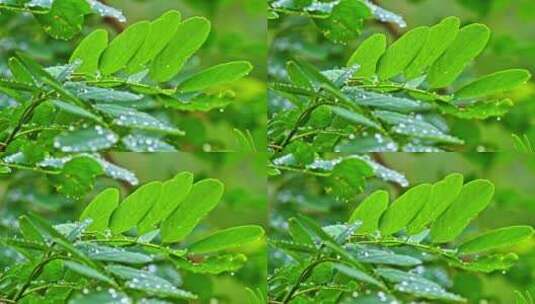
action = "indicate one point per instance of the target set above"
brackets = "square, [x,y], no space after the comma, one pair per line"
[161,32]
[403,210]
[494,83]
[245,141]
[100,209]
[173,193]
[123,48]
[400,54]
[89,51]
[503,237]
[369,211]
[368,54]
[441,36]
[203,197]
[228,238]
[474,198]
[134,207]
[189,37]
[443,193]
[214,264]
[470,42]
[217,75]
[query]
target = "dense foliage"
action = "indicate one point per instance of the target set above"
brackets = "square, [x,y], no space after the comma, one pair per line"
[393,251]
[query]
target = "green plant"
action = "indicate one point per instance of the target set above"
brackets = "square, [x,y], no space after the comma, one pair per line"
[135,250]
[110,94]
[396,98]
[393,252]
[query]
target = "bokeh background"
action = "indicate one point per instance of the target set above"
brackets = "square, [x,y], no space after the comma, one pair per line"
[513,204]
[244,202]
[238,33]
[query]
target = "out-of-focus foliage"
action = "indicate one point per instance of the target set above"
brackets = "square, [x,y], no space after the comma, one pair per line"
[297,194]
[209,215]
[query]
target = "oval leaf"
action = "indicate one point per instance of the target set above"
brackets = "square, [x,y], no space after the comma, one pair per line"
[89,51]
[503,237]
[494,83]
[220,74]
[474,198]
[368,54]
[100,210]
[370,210]
[204,196]
[228,238]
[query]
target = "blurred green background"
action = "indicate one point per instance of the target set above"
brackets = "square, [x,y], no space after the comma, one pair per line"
[244,202]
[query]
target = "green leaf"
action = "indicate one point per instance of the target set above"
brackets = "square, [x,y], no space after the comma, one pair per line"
[203,197]
[161,32]
[503,237]
[348,178]
[100,209]
[86,140]
[489,264]
[356,118]
[474,198]
[65,19]
[441,36]
[113,254]
[29,230]
[416,285]
[369,211]
[76,110]
[134,207]
[368,54]
[379,256]
[470,42]
[400,54]
[217,75]
[77,176]
[130,118]
[357,275]
[494,83]
[229,238]
[173,193]
[88,272]
[189,37]
[443,193]
[89,51]
[215,264]
[148,282]
[403,210]
[298,232]
[345,21]
[123,48]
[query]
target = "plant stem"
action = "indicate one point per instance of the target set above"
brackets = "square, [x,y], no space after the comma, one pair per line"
[34,274]
[25,117]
